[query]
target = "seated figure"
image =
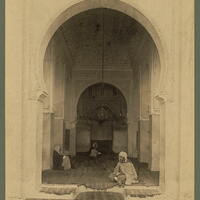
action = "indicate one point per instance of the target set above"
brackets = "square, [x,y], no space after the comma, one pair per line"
[57,158]
[124,172]
[94,153]
[66,160]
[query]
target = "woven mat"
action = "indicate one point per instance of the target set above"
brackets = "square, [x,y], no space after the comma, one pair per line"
[93,174]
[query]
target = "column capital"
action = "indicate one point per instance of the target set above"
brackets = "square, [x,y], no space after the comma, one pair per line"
[161,97]
[69,124]
[38,95]
[155,112]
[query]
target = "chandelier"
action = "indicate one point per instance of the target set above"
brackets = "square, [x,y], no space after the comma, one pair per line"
[102,114]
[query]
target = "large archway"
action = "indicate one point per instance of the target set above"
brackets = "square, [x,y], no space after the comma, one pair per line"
[29,123]
[74,8]
[101,121]
[102,118]
[73,60]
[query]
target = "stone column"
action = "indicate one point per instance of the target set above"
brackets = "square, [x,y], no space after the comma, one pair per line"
[129,141]
[47,141]
[132,121]
[187,106]
[132,139]
[144,141]
[154,161]
[58,131]
[32,145]
[72,140]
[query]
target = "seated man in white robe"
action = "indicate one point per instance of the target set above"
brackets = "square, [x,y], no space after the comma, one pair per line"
[124,173]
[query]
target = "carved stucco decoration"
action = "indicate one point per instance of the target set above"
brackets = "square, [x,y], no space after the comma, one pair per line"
[38,93]
[166,93]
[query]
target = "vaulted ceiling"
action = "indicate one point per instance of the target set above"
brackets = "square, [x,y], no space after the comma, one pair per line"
[103,33]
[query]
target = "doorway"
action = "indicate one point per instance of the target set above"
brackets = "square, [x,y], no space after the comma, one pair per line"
[102,116]
[95,110]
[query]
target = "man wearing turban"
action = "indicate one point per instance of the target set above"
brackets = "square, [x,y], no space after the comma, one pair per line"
[124,172]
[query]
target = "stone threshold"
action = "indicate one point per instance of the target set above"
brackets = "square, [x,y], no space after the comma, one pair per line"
[70,192]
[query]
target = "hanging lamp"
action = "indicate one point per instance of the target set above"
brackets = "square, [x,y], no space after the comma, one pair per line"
[102,53]
[102,114]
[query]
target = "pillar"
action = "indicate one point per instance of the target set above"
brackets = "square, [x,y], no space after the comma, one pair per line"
[47,141]
[71,125]
[73,141]
[154,161]
[132,139]
[144,146]
[32,146]
[132,119]
[58,132]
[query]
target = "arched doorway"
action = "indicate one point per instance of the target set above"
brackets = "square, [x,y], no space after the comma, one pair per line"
[102,118]
[41,21]
[73,61]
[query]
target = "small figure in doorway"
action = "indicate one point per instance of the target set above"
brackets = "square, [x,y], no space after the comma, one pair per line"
[94,153]
[124,173]
[57,158]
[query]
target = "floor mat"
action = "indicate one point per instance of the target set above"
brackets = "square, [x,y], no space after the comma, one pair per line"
[94,174]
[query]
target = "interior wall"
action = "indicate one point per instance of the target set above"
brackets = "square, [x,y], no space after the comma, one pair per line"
[154,119]
[122,37]
[54,105]
[120,140]
[154,161]
[90,128]
[144,88]
[47,141]
[134,113]
[84,36]
[72,70]
[145,81]
[60,63]
[148,86]
[155,77]
[102,131]
[83,137]
[144,141]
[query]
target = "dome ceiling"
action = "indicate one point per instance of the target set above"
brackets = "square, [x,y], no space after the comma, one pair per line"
[124,39]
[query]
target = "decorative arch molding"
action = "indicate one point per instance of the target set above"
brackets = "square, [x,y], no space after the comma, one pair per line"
[105,105]
[161,98]
[96,82]
[38,95]
[74,7]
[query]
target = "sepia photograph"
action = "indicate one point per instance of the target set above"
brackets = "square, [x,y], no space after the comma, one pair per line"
[99,99]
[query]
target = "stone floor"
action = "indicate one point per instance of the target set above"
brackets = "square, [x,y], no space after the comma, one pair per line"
[100,196]
[94,174]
